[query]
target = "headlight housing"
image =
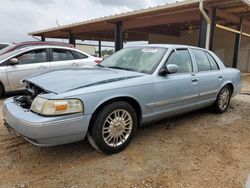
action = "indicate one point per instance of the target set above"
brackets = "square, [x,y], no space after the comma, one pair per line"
[56,107]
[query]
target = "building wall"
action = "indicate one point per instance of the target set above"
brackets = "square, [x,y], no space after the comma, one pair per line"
[223,45]
[87,49]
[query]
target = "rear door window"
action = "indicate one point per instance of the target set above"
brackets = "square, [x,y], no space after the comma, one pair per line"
[213,63]
[79,55]
[62,55]
[202,61]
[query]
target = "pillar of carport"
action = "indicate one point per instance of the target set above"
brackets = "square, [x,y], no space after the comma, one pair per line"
[118,36]
[202,32]
[213,24]
[72,39]
[42,38]
[237,44]
[100,48]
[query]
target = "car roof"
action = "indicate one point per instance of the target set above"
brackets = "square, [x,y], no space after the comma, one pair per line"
[47,46]
[168,46]
[42,43]
[25,49]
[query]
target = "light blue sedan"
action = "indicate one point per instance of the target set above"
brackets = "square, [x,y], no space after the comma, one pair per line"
[132,87]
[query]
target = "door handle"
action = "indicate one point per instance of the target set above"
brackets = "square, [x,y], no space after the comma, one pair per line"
[75,64]
[195,80]
[220,77]
[42,67]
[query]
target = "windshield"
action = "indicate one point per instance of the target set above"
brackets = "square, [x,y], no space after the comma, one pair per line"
[8,54]
[143,59]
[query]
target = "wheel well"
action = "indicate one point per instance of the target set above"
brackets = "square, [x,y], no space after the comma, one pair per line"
[2,86]
[231,87]
[129,100]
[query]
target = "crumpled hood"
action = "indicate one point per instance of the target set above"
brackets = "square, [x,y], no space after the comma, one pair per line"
[70,79]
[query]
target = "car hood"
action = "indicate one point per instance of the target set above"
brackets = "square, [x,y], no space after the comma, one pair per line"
[70,79]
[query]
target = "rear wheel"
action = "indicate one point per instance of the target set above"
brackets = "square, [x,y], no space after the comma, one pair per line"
[222,103]
[114,127]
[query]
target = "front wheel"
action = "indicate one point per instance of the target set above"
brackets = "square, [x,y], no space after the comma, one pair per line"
[222,103]
[114,127]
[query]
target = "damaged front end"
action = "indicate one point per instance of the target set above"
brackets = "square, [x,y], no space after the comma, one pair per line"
[31,92]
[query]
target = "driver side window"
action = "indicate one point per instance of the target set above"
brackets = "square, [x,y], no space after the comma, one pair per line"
[35,56]
[182,59]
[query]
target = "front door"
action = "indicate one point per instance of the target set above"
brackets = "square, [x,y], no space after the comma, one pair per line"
[177,92]
[29,64]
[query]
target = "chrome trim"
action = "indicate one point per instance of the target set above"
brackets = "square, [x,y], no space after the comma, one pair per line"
[49,123]
[208,93]
[170,101]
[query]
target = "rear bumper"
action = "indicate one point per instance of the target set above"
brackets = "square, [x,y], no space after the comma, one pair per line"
[237,89]
[45,131]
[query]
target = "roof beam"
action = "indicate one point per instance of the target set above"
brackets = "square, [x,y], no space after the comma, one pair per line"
[86,28]
[158,30]
[228,16]
[161,20]
[226,3]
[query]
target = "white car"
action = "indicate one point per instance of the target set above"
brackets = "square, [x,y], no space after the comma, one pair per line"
[26,62]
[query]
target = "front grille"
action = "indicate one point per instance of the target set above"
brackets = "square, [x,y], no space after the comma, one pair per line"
[31,92]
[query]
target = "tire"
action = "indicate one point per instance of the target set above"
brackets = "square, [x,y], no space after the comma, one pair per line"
[114,127]
[223,100]
[1,90]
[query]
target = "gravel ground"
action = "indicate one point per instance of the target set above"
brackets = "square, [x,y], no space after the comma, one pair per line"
[200,149]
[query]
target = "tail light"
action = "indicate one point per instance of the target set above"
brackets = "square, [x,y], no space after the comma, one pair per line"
[97,61]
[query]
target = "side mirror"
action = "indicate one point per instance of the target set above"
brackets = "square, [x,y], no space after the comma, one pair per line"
[14,61]
[169,69]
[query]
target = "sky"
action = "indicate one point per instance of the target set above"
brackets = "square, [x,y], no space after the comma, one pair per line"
[19,17]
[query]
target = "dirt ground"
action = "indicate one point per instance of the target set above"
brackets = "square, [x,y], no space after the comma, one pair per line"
[200,149]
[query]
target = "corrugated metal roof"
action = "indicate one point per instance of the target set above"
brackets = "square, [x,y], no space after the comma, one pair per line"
[119,16]
[137,24]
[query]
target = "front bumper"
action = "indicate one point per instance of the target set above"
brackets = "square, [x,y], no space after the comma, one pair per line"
[44,131]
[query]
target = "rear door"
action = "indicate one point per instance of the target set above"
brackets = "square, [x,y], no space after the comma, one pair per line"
[65,59]
[84,59]
[29,63]
[209,75]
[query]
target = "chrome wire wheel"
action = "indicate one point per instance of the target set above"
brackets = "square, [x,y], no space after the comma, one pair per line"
[117,127]
[224,98]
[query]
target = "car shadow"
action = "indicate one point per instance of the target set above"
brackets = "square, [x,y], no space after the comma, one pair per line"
[83,148]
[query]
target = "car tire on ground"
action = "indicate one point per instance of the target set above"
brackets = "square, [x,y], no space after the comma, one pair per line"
[113,128]
[1,90]
[223,100]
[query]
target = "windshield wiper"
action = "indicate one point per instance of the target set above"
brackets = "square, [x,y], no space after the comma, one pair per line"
[99,65]
[122,68]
